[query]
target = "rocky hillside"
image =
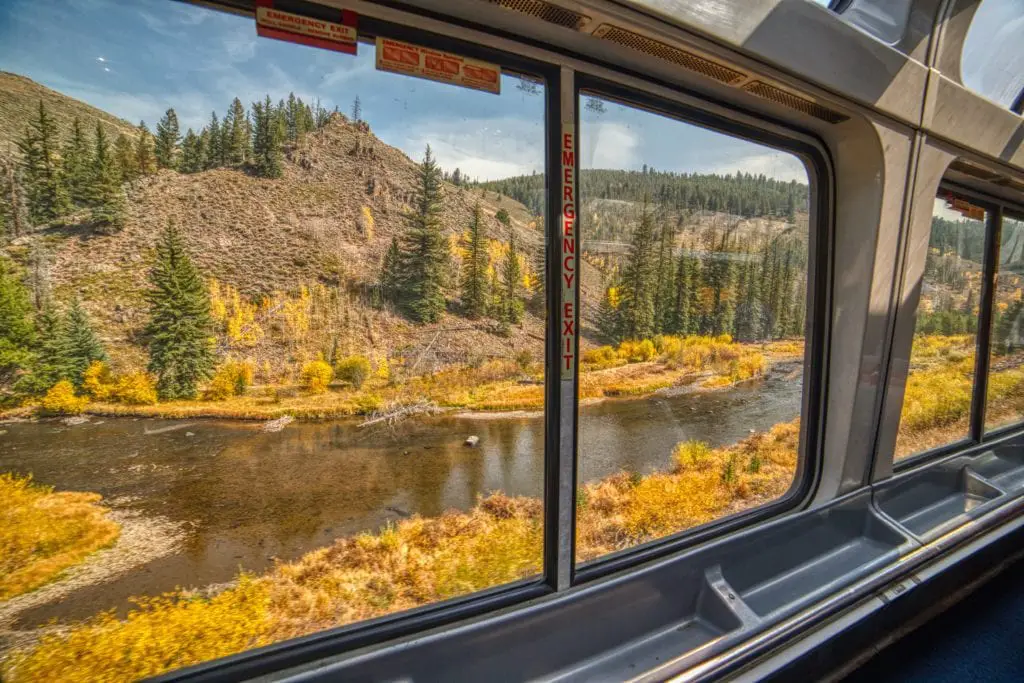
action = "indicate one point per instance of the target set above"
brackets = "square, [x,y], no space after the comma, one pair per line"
[19,101]
[301,252]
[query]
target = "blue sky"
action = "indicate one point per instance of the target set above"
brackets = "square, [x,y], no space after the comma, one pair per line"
[136,58]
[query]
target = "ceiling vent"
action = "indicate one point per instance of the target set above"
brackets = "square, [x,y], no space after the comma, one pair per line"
[788,99]
[545,10]
[687,60]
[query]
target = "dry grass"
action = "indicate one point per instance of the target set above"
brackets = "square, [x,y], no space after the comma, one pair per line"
[937,399]
[42,533]
[634,369]
[412,563]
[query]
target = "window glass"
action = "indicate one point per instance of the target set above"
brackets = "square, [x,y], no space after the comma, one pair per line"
[693,307]
[992,63]
[1005,392]
[937,401]
[284,339]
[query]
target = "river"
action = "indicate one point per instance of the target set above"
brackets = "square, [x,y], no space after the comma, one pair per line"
[247,497]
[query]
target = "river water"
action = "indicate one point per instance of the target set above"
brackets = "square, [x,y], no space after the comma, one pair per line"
[247,496]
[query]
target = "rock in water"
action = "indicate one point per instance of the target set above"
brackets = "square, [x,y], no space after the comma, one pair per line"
[472,441]
[76,420]
[278,424]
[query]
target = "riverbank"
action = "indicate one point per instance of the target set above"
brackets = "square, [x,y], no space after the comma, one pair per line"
[633,369]
[413,562]
[43,533]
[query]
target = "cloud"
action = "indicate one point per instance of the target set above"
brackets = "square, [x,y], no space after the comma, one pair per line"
[486,149]
[777,165]
[609,145]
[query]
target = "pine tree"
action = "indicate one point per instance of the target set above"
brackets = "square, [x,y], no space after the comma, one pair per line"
[78,344]
[608,321]
[78,165]
[214,149]
[474,276]
[13,213]
[105,195]
[237,135]
[718,277]
[511,276]
[637,305]
[17,334]
[168,137]
[51,366]
[390,277]
[266,147]
[679,321]
[45,192]
[664,281]
[424,249]
[124,156]
[180,327]
[191,153]
[1007,334]
[145,162]
[745,322]
[357,110]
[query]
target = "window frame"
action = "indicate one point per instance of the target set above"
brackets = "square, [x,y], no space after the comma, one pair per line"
[817,326]
[340,640]
[977,435]
[669,99]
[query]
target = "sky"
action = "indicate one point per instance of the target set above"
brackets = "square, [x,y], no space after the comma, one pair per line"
[136,58]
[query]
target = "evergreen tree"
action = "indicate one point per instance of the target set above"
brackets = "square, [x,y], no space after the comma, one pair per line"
[78,345]
[191,153]
[511,276]
[145,162]
[106,196]
[636,308]
[124,157]
[474,275]
[237,134]
[679,320]
[718,277]
[1007,333]
[424,249]
[214,149]
[50,366]
[17,334]
[357,110]
[608,321]
[266,147]
[390,277]
[45,192]
[180,327]
[78,165]
[664,281]
[168,136]
[746,322]
[13,213]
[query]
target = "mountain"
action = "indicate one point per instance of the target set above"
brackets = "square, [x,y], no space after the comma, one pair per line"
[295,258]
[19,101]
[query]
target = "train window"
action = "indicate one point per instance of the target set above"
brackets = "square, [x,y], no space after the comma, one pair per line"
[992,63]
[937,401]
[337,265]
[1004,401]
[693,299]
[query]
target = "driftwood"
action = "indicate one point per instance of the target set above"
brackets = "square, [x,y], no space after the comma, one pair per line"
[396,412]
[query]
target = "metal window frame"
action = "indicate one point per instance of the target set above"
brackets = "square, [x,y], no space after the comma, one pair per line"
[977,435]
[560,571]
[817,320]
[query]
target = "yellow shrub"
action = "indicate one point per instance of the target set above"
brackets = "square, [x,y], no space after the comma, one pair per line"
[316,376]
[383,369]
[135,389]
[98,381]
[232,379]
[42,533]
[61,400]
[354,370]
